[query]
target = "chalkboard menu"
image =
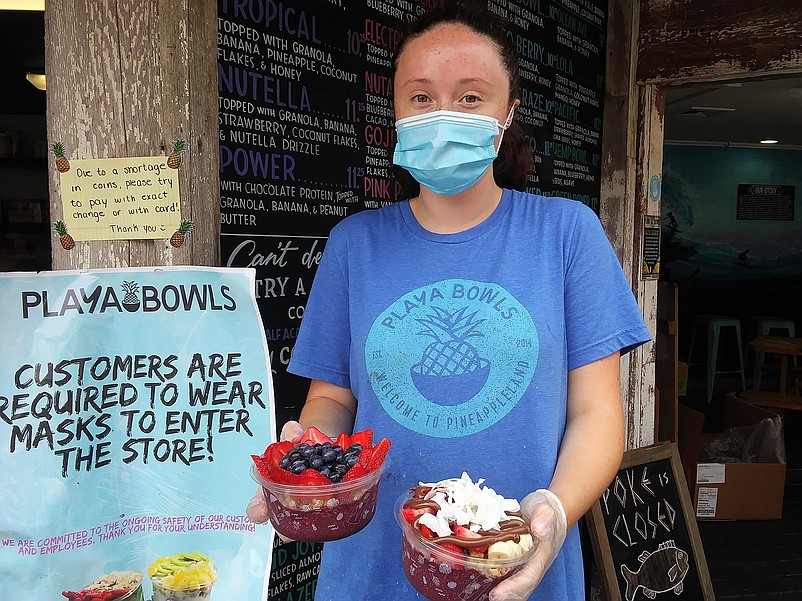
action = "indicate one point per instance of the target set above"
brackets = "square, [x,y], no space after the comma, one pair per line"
[561,46]
[644,531]
[307,135]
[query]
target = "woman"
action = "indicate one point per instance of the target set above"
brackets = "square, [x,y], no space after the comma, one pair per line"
[476,327]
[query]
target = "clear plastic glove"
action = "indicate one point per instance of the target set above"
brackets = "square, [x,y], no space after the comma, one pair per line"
[257,508]
[548,524]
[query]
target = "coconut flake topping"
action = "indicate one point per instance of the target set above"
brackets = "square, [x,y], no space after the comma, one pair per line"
[471,505]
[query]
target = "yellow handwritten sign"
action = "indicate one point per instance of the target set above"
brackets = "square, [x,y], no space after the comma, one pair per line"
[121,199]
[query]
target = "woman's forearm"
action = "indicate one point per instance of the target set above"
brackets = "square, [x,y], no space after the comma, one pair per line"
[327,415]
[589,458]
[593,443]
[330,408]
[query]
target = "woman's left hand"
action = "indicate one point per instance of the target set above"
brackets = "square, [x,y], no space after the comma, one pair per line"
[548,525]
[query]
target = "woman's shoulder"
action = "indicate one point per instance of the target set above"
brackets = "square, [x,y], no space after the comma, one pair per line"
[367,222]
[368,218]
[550,207]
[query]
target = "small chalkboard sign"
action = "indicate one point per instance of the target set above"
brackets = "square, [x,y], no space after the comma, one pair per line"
[644,532]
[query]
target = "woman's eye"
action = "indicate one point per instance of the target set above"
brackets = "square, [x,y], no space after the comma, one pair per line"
[470,98]
[420,98]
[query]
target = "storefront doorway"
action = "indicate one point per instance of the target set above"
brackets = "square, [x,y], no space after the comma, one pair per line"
[731,239]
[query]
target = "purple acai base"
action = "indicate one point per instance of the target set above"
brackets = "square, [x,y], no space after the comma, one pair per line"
[320,520]
[445,581]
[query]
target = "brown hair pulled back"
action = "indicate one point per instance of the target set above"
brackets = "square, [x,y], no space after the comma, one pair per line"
[514,161]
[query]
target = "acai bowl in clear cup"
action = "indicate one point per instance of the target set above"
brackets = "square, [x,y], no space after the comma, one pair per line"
[321,513]
[188,576]
[124,585]
[451,573]
[318,488]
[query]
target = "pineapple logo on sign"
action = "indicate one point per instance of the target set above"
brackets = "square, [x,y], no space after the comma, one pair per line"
[452,358]
[131,298]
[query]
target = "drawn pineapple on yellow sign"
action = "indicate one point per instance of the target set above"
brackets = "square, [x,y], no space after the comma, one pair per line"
[67,241]
[62,163]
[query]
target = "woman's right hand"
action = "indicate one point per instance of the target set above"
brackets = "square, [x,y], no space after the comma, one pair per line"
[257,508]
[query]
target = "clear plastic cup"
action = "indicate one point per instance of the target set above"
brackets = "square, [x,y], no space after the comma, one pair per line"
[199,593]
[321,513]
[135,595]
[443,575]
[131,579]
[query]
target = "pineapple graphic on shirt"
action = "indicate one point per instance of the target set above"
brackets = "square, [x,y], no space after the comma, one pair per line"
[450,370]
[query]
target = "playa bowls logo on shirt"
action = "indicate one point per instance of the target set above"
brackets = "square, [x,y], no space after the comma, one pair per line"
[452,358]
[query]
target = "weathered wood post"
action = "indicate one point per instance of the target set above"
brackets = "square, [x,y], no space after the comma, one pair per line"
[125,79]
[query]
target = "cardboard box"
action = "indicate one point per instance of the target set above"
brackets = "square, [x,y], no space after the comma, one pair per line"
[729,491]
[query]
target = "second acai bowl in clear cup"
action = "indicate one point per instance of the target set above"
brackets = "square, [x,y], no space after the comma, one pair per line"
[465,562]
[307,505]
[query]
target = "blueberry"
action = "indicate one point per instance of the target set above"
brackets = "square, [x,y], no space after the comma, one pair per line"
[307,452]
[316,463]
[318,446]
[351,460]
[325,471]
[285,461]
[298,467]
[303,445]
[329,455]
[335,477]
[356,446]
[336,447]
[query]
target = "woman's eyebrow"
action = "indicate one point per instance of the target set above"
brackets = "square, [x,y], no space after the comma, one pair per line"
[464,81]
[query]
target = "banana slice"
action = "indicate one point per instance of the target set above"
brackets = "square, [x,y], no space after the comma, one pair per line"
[505,549]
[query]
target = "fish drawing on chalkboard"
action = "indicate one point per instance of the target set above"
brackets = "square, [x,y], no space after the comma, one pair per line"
[659,572]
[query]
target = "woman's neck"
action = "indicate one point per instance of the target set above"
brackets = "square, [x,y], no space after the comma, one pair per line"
[459,212]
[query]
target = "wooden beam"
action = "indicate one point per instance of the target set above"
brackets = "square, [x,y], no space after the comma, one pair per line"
[714,39]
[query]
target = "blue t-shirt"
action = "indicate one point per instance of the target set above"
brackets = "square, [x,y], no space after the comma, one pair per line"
[457,348]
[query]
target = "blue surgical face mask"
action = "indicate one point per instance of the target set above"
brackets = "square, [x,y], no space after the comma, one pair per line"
[447,151]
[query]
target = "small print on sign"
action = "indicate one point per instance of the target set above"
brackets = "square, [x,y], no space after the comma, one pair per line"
[132,198]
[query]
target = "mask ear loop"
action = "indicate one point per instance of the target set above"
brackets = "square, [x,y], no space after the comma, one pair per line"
[507,123]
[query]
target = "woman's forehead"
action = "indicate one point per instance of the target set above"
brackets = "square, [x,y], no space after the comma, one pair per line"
[451,37]
[453,44]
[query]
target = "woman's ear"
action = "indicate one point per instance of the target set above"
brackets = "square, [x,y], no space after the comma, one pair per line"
[511,115]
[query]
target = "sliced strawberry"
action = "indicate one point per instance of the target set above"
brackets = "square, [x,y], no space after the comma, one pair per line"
[343,440]
[453,548]
[372,459]
[276,451]
[310,477]
[365,438]
[410,515]
[357,471]
[447,558]
[282,476]
[313,436]
[425,531]
[112,594]
[467,534]
[262,466]
[285,446]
